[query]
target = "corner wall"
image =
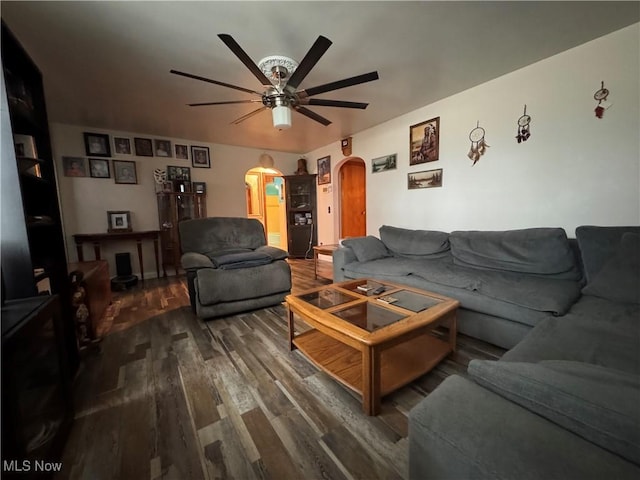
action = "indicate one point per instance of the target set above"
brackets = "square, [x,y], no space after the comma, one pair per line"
[575,169]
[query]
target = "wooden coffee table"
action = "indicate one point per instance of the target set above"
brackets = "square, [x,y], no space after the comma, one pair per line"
[371,346]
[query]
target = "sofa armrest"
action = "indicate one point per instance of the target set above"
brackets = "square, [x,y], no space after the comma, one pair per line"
[341,257]
[195,261]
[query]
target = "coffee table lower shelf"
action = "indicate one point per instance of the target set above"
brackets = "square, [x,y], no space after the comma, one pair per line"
[399,364]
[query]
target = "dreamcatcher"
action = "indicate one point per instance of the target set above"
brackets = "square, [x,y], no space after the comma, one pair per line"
[601,96]
[524,131]
[478,143]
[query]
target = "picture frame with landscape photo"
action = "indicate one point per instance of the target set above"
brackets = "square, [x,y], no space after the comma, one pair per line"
[424,179]
[119,221]
[382,164]
[97,144]
[424,141]
[124,171]
[324,170]
[122,145]
[200,157]
[182,151]
[144,147]
[163,148]
[99,168]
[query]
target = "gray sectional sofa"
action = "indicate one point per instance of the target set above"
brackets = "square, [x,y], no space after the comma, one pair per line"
[564,402]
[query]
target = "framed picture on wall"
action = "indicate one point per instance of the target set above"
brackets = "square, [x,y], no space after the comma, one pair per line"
[424,141]
[381,164]
[124,171]
[178,173]
[426,179]
[97,144]
[99,168]
[182,152]
[122,145]
[163,148]
[200,157]
[74,166]
[144,147]
[324,170]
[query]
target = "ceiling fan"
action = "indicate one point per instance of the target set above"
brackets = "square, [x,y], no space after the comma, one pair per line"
[280,77]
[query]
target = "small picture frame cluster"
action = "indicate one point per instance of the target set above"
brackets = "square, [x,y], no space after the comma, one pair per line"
[119,221]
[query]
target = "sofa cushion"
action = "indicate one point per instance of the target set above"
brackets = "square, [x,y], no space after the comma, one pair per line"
[619,278]
[598,244]
[406,242]
[367,248]
[599,404]
[538,251]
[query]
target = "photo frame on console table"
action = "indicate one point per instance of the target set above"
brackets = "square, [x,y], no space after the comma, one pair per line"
[424,141]
[119,221]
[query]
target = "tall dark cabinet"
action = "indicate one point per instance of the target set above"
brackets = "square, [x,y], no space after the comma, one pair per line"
[39,348]
[302,233]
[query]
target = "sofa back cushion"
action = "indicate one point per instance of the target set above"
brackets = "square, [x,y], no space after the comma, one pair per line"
[404,242]
[209,235]
[598,244]
[538,251]
[619,279]
[600,404]
[367,248]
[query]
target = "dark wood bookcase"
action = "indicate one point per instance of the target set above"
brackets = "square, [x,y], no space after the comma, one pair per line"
[302,233]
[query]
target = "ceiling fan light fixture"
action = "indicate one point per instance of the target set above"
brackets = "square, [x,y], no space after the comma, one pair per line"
[281,117]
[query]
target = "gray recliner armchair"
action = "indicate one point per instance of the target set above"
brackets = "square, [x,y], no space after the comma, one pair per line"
[230,268]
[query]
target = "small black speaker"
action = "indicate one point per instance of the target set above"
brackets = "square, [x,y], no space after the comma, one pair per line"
[123,264]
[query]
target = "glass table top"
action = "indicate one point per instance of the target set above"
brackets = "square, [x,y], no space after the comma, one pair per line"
[369,316]
[327,298]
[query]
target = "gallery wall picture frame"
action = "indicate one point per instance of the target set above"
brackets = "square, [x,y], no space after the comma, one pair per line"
[200,187]
[175,172]
[25,146]
[200,157]
[144,147]
[182,151]
[424,179]
[324,170]
[74,166]
[381,164]
[424,141]
[121,145]
[97,144]
[163,148]
[99,168]
[119,221]
[124,171]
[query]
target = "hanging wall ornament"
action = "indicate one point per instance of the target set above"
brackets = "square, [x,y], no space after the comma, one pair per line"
[478,143]
[601,96]
[524,130]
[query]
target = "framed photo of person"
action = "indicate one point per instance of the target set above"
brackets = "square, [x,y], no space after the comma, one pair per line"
[163,148]
[144,147]
[324,170]
[124,171]
[178,173]
[182,152]
[119,221]
[122,145]
[99,168]
[74,166]
[97,144]
[424,141]
[200,157]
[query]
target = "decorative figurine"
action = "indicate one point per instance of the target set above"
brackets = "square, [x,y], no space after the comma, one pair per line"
[302,167]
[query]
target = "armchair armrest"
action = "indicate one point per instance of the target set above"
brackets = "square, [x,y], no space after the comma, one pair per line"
[273,252]
[195,261]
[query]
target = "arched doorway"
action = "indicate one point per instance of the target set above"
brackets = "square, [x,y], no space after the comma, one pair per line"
[264,189]
[353,198]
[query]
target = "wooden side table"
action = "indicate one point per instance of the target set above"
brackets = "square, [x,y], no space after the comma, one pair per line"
[322,250]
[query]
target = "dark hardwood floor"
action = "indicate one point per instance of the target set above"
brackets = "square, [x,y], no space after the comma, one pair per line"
[169,396]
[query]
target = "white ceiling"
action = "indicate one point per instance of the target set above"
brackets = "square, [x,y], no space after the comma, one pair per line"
[106,64]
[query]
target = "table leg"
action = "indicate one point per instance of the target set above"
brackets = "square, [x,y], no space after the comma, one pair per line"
[155,249]
[139,243]
[96,250]
[453,330]
[315,264]
[371,380]
[79,252]
[291,326]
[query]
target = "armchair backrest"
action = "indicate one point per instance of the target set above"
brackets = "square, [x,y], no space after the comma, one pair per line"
[203,235]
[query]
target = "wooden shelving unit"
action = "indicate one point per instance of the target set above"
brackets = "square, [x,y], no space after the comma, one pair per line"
[302,233]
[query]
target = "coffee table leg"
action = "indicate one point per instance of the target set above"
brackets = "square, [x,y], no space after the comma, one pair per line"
[371,380]
[291,345]
[453,330]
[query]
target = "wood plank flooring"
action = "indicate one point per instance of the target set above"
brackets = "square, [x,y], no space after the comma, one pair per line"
[169,396]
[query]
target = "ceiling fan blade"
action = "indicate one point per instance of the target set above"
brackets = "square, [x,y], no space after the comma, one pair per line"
[333,103]
[308,62]
[215,82]
[312,115]
[248,115]
[347,82]
[244,58]
[223,103]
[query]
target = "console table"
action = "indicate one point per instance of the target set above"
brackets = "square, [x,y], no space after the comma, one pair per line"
[97,238]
